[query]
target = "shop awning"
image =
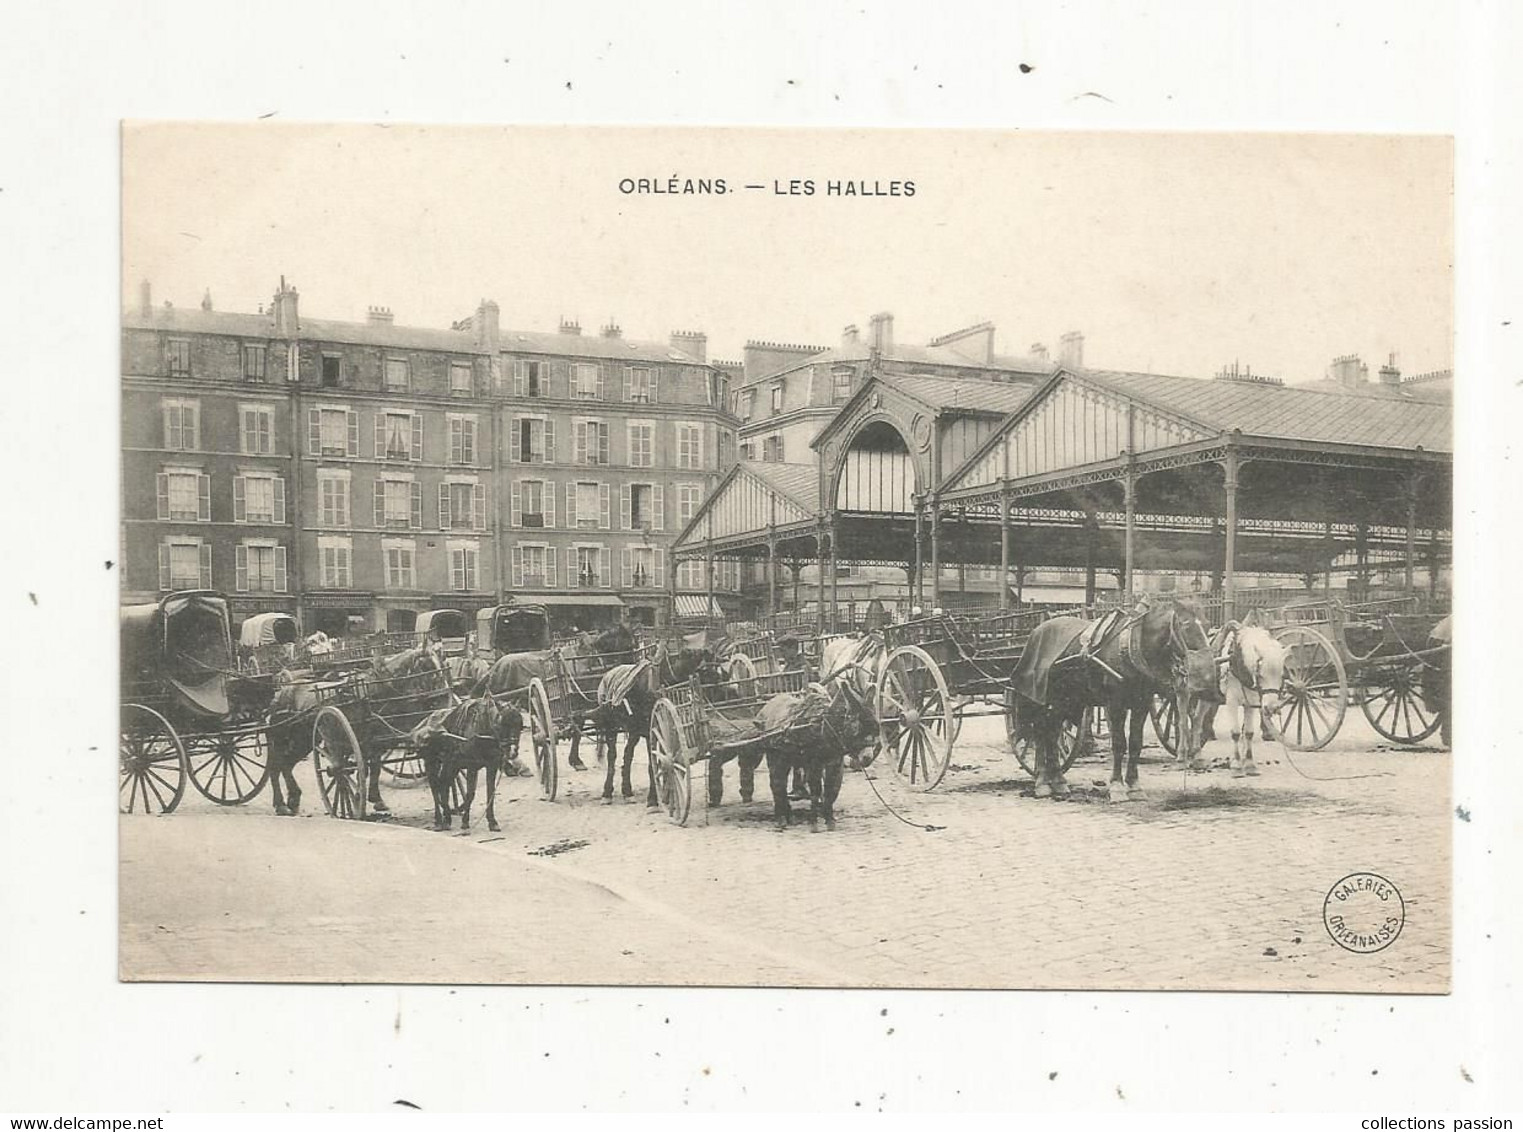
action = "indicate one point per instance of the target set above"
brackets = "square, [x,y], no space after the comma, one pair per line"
[692,605]
[612,600]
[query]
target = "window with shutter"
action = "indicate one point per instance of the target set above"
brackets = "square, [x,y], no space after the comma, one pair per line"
[626,507]
[518,566]
[461,383]
[479,506]
[205,511]
[206,567]
[549,495]
[398,375]
[280,569]
[605,509]
[240,504]
[626,568]
[241,568]
[658,507]
[183,496]
[444,512]
[416,492]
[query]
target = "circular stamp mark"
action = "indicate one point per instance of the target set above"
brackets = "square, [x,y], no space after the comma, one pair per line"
[1364,913]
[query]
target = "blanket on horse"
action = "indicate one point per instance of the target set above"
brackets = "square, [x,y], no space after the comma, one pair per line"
[468,720]
[1048,641]
[617,682]
[513,671]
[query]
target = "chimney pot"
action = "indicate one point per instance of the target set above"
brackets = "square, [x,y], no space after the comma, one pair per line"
[488,325]
[693,342]
[1071,347]
[379,314]
[285,310]
[570,326]
[881,332]
[610,329]
[1039,351]
[206,300]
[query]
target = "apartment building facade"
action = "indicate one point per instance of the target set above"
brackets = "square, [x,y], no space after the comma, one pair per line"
[356,473]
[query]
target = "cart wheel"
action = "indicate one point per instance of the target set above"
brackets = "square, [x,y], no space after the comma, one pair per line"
[674,774]
[1164,712]
[915,717]
[1394,704]
[542,733]
[153,763]
[339,764]
[403,768]
[742,676]
[1070,737]
[232,767]
[1315,693]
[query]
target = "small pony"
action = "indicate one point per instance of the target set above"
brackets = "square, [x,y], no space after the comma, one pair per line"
[1252,675]
[466,737]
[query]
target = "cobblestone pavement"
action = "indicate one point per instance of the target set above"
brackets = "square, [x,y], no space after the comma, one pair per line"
[1212,883]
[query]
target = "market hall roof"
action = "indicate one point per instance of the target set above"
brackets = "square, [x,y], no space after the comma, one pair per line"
[938,395]
[751,498]
[907,354]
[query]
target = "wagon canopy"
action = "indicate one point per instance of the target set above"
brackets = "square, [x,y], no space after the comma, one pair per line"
[513,628]
[268,629]
[448,625]
[183,645]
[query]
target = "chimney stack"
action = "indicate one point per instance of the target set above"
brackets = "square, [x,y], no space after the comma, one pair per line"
[206,300]
[488,325]
[285,309]
[570,326]
[1349,371]
[1039,351]
[145,299]
[1389,374]
[611,329]
[880,329]
[693,342]
[851,337]
[378,314]
[1071,349]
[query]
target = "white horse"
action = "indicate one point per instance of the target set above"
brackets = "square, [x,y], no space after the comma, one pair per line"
[1252,674]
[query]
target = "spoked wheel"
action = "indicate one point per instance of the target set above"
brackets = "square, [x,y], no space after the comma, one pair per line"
[232,767]
[1023,746]
[742,676]
[1394,704]
[1164,712]
[403,768]
[339,765]
[1315,693]
[674,773]
[915,717]
[153,763]
[542,734]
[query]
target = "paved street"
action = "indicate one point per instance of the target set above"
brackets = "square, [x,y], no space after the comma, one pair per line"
[1213,882]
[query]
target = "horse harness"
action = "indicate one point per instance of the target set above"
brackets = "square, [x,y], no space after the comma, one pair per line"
[1251,679]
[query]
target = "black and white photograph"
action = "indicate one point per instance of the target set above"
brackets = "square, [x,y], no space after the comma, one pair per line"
[1012,540]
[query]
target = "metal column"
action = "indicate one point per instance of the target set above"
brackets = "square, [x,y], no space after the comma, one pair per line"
[1229,558]
[1129,486]
[835,617]
[1411,531]
[935,552]
[771,572]
[917,587]
[1004,551]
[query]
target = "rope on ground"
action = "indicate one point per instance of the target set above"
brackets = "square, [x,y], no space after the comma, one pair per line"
[925,827]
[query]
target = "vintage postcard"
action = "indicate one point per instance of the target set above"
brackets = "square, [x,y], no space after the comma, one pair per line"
[732,557]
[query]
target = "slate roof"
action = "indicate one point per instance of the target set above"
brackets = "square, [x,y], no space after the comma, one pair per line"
[194,320]
[799,482]
[904,353]
[963,393]
[1293,412]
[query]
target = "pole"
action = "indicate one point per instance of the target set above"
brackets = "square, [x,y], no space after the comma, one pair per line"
[916,580]
[771,573]
[1129,486]
[935,552]
[819,588]
[1229,559]
[835,619]
[1411,532]
[1091,529]
[708,612]
[798,574]
[1004,551]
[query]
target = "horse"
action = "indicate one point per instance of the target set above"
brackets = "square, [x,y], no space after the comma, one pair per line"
[627,694]
[468,737]
[397,687]
[840,720]
[595,654]
[511,674]
[1252,664]
[1118,662]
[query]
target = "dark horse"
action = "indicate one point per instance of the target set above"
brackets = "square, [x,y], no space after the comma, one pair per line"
[1119,663]
[510,675]
[390,698]
[626,697]
[841,720]
[467,737]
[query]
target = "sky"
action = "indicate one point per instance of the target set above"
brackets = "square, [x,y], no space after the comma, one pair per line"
[1174,253]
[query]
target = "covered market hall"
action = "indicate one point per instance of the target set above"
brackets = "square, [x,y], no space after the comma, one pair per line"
[1143,476]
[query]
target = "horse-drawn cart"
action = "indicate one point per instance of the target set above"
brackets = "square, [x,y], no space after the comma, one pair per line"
[189,716]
